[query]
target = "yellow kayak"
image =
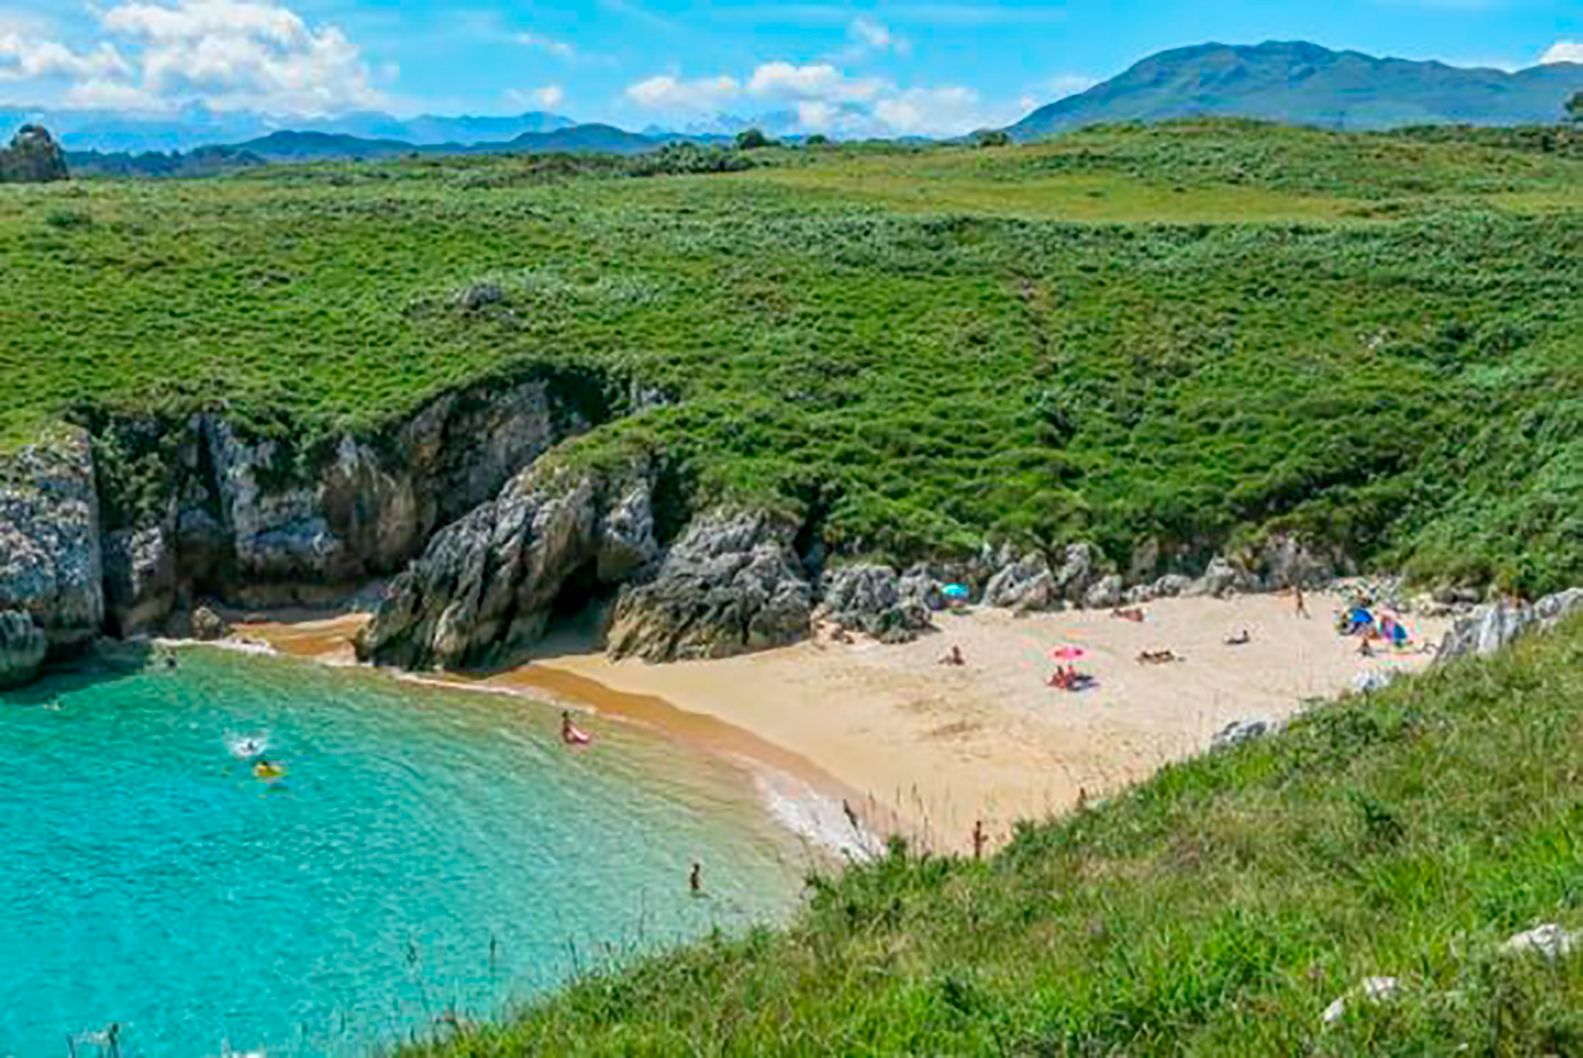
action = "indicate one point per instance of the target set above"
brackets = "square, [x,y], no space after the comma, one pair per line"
[267,771]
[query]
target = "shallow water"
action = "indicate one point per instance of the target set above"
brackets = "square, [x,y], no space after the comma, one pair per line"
[427,850]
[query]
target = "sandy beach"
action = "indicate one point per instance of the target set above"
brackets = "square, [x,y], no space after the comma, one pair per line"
[927,748]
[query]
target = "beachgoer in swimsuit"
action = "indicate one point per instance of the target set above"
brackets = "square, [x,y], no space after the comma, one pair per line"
[1241,639]
[979,839]
[695,879]
[1302,604]
[953,657]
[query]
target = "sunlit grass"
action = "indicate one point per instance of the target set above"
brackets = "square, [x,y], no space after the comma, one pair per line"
[1179,337]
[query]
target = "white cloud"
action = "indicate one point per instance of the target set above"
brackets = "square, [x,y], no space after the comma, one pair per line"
[550,96]
[672,93]
[225,54]
[23,59]
[950,109]
[819,81]
[826,99]
[1564,51]
[558,48]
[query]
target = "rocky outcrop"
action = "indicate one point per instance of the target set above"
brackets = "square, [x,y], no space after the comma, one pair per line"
[1105,594]
[487,585]
[1283,561]
[33,158]
[1026,585]
[50,562]
[255,521]
[731,584]
[22,649]
[876,600]
[208,626]
[1239,731]
[1223,578]
[1490,628]
[1034,582]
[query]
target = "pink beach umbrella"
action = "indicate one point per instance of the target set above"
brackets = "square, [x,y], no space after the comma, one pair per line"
[1069,653]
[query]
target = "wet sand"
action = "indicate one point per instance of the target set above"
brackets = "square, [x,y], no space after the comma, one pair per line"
[928,749]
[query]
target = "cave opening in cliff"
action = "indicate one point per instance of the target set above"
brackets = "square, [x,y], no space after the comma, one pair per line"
[578,612]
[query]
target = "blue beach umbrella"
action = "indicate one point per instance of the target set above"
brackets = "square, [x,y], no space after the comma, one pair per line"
[955,592]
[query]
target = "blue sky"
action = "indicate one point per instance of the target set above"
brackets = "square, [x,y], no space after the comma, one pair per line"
[928,66]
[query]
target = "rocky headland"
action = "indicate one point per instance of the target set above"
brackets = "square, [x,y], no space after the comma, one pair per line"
[124,525]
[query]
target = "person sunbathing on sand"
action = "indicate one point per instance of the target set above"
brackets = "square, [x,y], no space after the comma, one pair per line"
[1069,679]
[1158,657]
[1241,639]
[953,657]
[1131,613]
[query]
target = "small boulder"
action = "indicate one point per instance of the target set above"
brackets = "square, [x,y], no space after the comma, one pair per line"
[1239,731]
[1172,585]
[1222,579]
[1024,585]
[1549,941]
[478,296]
[1105,594]
[1139,594]
[208,626]
[1081,569]
[1369,990]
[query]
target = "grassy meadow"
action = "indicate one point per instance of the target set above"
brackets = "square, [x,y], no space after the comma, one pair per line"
[1180,337]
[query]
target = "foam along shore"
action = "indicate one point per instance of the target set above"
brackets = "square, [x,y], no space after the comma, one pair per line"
[929,749]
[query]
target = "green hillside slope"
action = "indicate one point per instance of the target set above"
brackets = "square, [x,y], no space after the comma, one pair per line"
[1306,84]
[1168,339]
[1216,910]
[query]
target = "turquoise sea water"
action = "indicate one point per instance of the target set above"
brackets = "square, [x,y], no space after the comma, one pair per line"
[427,850]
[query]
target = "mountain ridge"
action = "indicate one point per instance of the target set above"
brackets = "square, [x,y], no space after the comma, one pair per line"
[1302,83]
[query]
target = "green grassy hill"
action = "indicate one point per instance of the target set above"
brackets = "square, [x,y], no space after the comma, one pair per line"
[1179,337]
[1305,84]
[1217,909]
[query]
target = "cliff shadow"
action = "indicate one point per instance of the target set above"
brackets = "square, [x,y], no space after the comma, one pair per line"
[106,663]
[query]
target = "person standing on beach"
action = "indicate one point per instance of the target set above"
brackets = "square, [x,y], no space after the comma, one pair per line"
[695,879]
[1302,604]
[979,839]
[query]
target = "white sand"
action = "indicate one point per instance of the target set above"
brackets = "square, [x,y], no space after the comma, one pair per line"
[930,748]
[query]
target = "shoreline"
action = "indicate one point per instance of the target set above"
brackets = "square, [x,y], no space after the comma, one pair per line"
[801,796]
[930,751]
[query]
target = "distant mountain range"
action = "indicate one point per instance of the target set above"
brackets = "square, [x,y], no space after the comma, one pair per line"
[326,146]
[1305,84]
[110,131]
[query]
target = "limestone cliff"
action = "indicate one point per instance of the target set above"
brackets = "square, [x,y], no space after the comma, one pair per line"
[487,585]
[50,564]
[203,507]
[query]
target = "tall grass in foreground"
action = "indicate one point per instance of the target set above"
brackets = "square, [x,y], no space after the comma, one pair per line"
[1216,909]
